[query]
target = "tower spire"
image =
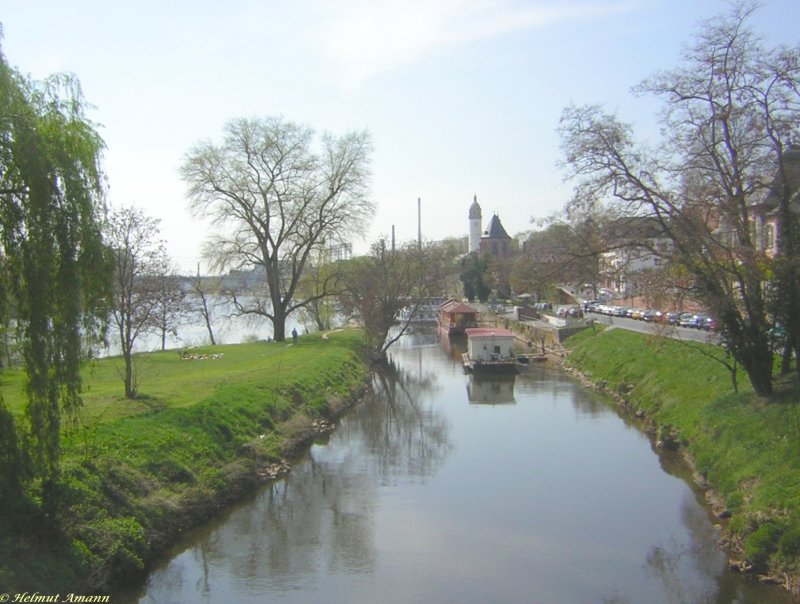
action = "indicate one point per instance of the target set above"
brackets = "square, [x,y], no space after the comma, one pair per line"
[474,225]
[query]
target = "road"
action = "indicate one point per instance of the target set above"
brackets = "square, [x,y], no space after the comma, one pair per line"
[670,331]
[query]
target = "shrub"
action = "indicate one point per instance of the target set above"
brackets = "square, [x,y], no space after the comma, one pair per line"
[789,544]
[760,544]
[118,544]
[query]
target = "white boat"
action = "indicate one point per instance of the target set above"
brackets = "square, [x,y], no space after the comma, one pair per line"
[489,350]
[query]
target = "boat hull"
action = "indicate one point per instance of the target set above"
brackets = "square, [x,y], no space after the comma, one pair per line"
[480,367]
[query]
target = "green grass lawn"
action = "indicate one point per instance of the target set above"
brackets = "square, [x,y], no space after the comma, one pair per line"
[136,473]
[166,379]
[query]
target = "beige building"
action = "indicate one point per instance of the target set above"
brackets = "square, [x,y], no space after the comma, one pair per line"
[766,227]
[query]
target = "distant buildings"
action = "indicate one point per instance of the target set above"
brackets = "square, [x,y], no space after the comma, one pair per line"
[766,219]
[494,240]
[640,244]
[341,251]
[636,245]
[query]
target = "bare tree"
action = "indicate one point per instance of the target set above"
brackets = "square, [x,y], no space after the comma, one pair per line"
[276,203]
[563,252]
[171,305]
[703,185]
[377,287]
[203,290]
[141,263]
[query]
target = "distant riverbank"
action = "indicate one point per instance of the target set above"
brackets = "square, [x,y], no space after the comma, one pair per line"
[209,426]
[745,449]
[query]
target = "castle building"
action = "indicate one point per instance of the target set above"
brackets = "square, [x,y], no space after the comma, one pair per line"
[494,240]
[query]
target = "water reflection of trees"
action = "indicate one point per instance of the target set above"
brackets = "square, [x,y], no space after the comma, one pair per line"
[405,436]
[696,570]
[320,519]
[541,380]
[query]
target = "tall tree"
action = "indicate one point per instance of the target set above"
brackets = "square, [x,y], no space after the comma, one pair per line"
[141,264]
[473,270]
[706,180]
[53,261]
[276,202]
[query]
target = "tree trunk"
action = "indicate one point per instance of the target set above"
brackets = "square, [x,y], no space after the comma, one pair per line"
[130,392]
[760,373]
[210,332]
[279,324]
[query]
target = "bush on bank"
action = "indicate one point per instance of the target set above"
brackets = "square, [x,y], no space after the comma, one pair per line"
[136,474]
[744,447]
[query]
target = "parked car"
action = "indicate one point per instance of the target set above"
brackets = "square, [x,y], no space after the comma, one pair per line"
[650,315]
[696,321]
[672,317]
[706,322]
[592,306]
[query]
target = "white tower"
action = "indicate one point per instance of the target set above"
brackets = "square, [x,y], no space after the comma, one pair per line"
[474,225]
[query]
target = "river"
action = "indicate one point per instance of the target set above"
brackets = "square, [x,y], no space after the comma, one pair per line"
[441,488]
[191,331]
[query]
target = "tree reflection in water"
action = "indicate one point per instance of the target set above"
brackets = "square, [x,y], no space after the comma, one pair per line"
[320,518]
[406,437]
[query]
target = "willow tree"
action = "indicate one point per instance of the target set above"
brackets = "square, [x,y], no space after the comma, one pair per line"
[51,254]
[276,203]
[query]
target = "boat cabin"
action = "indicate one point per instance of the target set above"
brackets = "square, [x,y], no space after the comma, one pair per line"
[490,344]
[455,317]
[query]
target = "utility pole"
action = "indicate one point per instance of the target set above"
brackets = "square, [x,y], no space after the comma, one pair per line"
[419,222]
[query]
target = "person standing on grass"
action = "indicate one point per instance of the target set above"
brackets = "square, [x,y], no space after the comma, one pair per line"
[294,335]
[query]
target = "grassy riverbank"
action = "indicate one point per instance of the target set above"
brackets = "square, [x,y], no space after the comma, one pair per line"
[745,448]
[206,428]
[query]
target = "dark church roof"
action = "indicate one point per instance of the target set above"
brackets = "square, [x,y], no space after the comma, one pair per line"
[495,229]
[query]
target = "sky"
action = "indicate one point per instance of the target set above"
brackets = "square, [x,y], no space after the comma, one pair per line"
[462,98]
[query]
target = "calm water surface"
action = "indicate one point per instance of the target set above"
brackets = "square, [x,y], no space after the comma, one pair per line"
[441,488]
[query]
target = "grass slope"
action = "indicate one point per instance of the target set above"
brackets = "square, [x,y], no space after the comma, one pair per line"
[136,473]
[747,448]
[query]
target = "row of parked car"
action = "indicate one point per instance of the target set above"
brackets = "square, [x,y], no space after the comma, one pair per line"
[682,319]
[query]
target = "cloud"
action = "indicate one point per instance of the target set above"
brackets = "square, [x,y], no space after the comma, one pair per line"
[365,38]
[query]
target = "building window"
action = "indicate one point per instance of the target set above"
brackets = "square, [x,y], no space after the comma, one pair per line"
[769,237]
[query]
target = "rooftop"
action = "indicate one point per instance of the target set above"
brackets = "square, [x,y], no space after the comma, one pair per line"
[495,229]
